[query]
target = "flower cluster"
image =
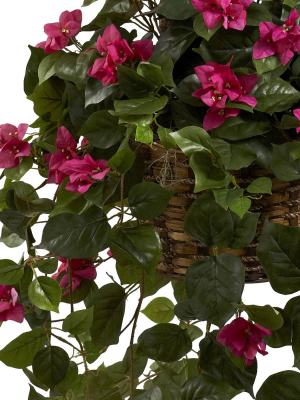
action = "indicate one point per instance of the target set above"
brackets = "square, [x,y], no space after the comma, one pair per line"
[12,146]
[220,84]
[244,339]
[82,171]
[81,269]
[282,40]
[9,308]
[59,33]
[232,12]
[115,50]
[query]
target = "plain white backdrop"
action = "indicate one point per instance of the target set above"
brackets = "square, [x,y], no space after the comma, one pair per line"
[22,24]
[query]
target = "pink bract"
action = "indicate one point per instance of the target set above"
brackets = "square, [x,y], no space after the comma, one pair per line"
[244,339]
[11,145]
[9,308]
[297,115]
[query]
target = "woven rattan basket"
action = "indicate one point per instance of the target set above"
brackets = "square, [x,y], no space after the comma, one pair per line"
[180,250]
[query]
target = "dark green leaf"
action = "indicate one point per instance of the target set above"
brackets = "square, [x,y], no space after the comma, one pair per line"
[209,223]
[18,172]
[50,365]
[265,316]
[225,197]
[34,380]
[48,266]
[64,385]
[31,76]
[278,253]
[109,308]
[164,342]
[76,236]
[148,105]
[191,140]
[10,272]
[152,72]
[101,192]
[260,185]
[166,139]
[10,239]
[281,337]
[102,387]
[148,200]
[20,352]
[284,166]
[34,395]
[15,222]
[165,62]
[185,89]
[29,208]
[244,230]
[234,155]
[45,293]
[201,27]
[78,322]
[139,364]
[102,130]
[177,9]
[123,160]
[257,13]
[153,393]
[95,92]
[134,85]
[267,64]
[281,386]
[46,67]
[160,310]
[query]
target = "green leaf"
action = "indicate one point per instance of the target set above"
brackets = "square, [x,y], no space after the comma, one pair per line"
[29,208]
[281,337]
[225,44]
[10,239]
[151,72]
[134,85]
[165,62]
[216,282]
[166,139]
[292,312]
[164,342]
[209,223]
[274,95]
[141,242]
[240,206]
[144,134]
[234,155]
[34,380]
[153,393]
[244,230]
[278,253]
[148,105]
[123,160]
[191,140]
[160,310]
[284,166]
[109,308]
[194,331]
[185,89]
[15,222]
[34,395]
[242,127]
[177,39]
[50,365]
[257,13]
[265,316]
[148,200]
[95,92]
[76,236]
[204,387]
[73,67]
[177,9]
[102,387]
[201,27]
[154,283]
[102,130]
[48,266]
[46,67]
[45,293]
[10,272]
[208,175]
[72,374]
[260,185]
[225,197]
[47,98]
[31,76]
[267,64]
[20,352]
[78,322]
[18,172]
[215,363]
[284,385]
[68,202]
[139,364]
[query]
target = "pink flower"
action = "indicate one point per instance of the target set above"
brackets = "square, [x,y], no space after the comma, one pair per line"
[212,11]
[60,32]
[244,339]
[142,49]
[11,145]
[219,85]
[9,308]
[66,144]
[282,40]
[297,115]
[235,17]
[105,70]
[81,269]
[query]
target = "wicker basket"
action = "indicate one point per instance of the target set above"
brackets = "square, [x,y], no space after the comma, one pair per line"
[180,250]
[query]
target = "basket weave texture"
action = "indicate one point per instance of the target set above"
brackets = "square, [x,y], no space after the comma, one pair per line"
[171,169]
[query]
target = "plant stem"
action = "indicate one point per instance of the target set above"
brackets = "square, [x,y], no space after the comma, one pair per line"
[136,316]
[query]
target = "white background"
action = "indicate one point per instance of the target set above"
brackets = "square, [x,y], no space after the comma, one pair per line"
[22,24]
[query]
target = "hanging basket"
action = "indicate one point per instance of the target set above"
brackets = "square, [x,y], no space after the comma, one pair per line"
[171,169]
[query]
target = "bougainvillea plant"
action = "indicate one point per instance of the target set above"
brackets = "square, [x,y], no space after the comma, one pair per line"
[217,80]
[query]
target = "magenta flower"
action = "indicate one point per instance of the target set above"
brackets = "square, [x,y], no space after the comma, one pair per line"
[282,40]
[60,32]
[81,269]
[12,146]
[297,115]
[142,49]
[66,144]
[244,339]
[219,85]
[235,17]
[105,70]
[212,11]
[79,183]
[9,308]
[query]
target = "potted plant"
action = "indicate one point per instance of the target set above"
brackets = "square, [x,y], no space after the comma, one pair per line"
[176,155]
